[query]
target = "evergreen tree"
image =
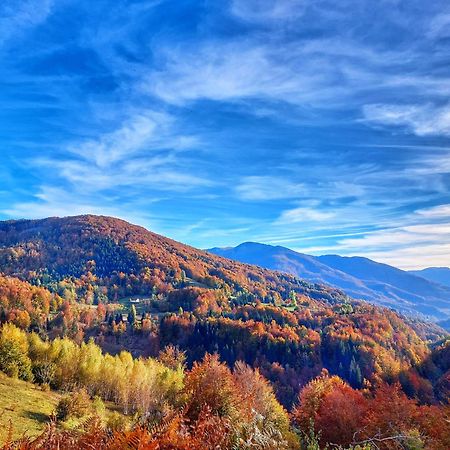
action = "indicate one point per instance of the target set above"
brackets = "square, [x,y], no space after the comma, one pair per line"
[355,376]
[132,315]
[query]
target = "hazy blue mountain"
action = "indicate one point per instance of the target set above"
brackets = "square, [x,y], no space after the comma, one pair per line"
[439,275]
[358,277]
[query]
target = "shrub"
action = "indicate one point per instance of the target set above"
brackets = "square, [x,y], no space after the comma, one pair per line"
[117,422]
[44,372]
[98,406]
[76,404]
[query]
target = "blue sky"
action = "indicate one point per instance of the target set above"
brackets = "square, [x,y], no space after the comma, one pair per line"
[323,126]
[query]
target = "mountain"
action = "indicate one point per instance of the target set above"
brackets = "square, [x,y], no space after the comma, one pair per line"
[129,260]
[358,277]
[299,264]
[81,276]
[405,289]
[439,275]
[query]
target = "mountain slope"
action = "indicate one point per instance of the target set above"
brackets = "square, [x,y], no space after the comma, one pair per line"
[26,409]
[358,277]
[299,264]
[404,289]
[287,328]
[439,275]
[129,259]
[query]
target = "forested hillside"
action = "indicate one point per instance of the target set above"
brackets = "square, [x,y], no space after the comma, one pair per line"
[408,292]
[69,280]
[110,258]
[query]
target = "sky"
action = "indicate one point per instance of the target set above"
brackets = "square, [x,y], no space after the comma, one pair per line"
[322,126]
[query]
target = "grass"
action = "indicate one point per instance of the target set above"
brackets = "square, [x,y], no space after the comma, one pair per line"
[25,409]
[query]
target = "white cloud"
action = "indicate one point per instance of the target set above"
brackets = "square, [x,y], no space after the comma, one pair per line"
[271,187]
[145,150]
[419,240]
[51,201]
[131,137]
[413,235]
[142,160]
[417,257]
[421,243]
[422,120]
[439,27]
[302,73]
[268,188]
[17,16]
[219,72]
[437,212]
[303,215]
[267,10]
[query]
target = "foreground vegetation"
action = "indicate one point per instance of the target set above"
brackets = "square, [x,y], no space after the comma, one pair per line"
[209,404]
[26,410]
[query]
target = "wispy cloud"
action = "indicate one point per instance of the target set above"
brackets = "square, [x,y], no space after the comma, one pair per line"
[304,214]
[50,201]
[136,134]
[422,120]
[16,17]
[143,151]
[261,11]
[439,26]
[143,154]
[268,188]
[419,242]
[437,212]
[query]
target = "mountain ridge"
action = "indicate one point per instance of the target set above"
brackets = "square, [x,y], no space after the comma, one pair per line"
[359,277]
[439,275]
[116,245]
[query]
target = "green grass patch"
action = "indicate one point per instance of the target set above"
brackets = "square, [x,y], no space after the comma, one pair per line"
[27,409]
[24,406]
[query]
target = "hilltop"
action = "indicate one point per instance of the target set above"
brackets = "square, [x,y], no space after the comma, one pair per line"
[130,260]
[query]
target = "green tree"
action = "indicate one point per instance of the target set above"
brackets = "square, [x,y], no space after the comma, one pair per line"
[132,315]
[14,359]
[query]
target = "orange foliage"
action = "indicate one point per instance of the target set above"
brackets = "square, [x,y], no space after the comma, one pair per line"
[210,384]
[388,419]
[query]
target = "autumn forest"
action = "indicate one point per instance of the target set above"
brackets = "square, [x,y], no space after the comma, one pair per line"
[194,351]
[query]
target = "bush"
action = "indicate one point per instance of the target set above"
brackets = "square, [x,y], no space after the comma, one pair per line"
[98,406]
[117,422]
[76,404]
[44,372]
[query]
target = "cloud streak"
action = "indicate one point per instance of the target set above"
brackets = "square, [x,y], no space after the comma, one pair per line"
[263,11]
[422,120]
[16,17]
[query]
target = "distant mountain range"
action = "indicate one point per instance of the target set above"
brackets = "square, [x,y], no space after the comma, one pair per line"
[439,275]
[415,293]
